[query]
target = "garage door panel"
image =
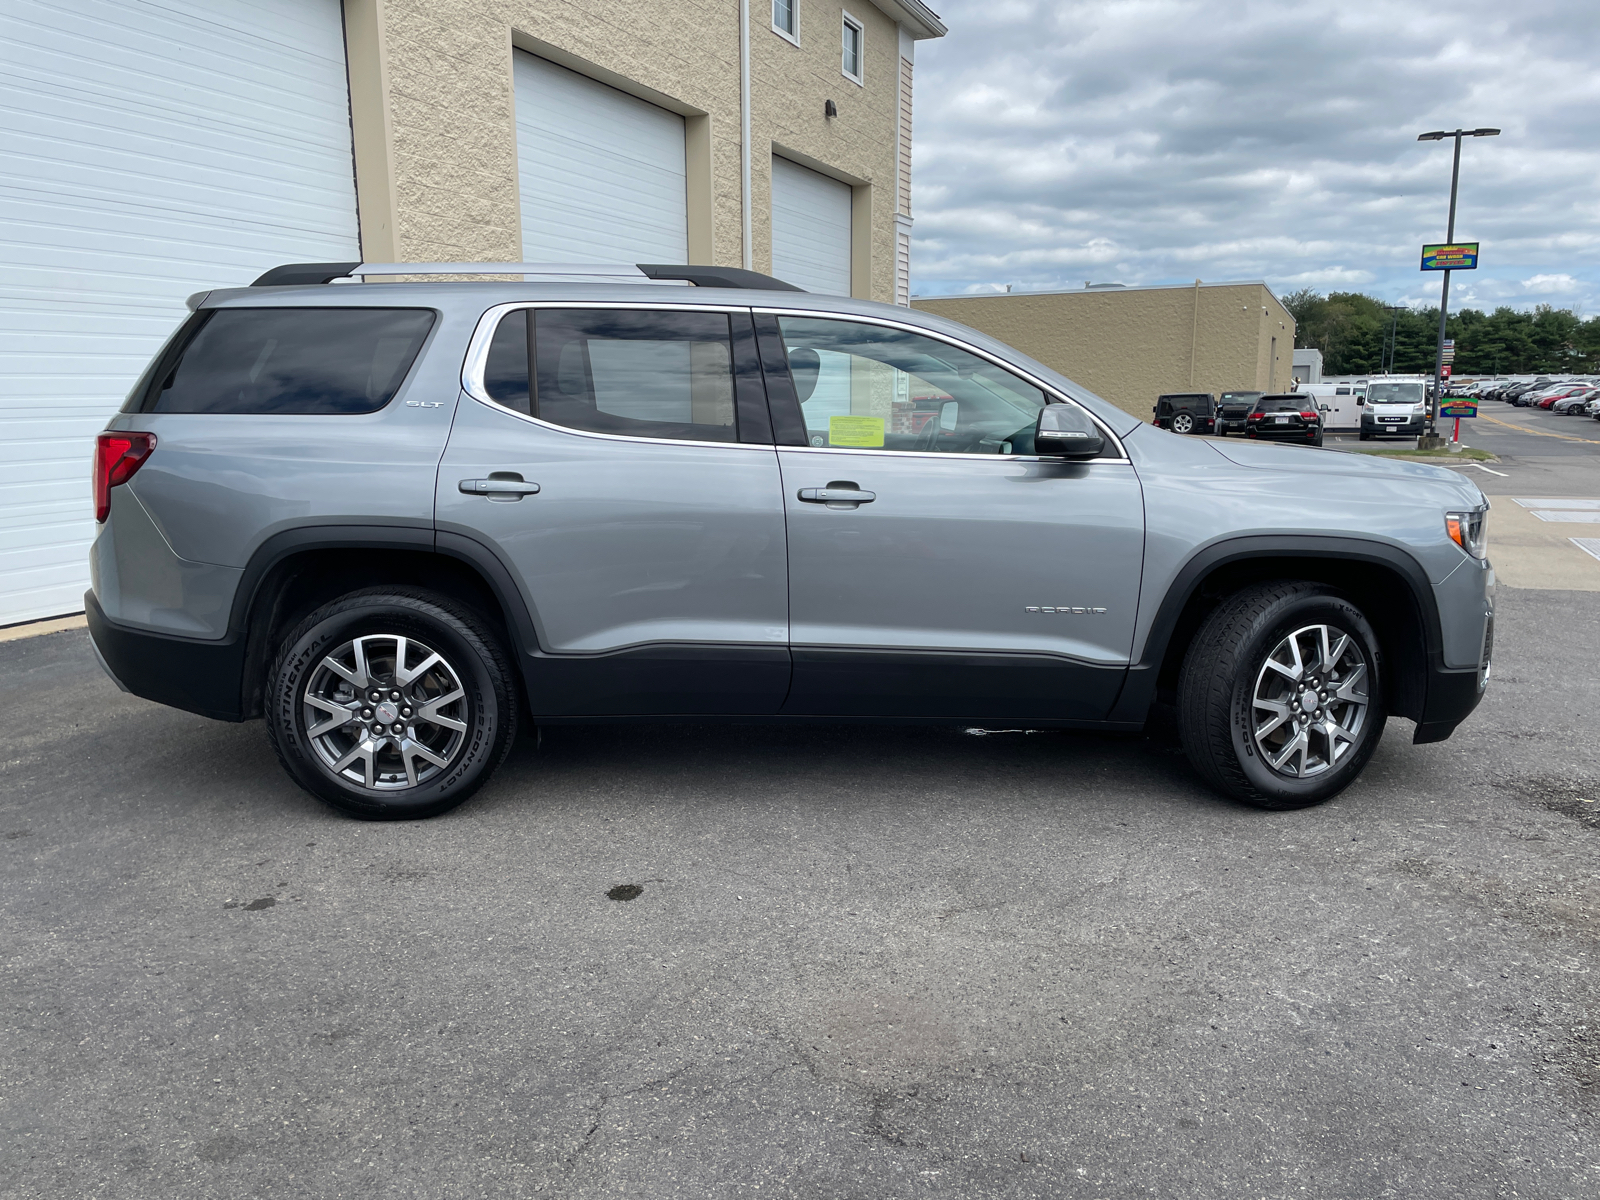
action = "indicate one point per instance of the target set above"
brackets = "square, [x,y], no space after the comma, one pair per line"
[602,174]
[148,149]
[811,216]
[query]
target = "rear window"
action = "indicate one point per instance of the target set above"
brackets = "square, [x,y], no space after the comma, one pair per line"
[1275,404]
[291,361]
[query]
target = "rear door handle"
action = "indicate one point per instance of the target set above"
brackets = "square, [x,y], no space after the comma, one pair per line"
[836,494]
[498,487]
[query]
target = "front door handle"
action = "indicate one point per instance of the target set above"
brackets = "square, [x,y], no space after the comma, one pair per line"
[838,494]
[499,486]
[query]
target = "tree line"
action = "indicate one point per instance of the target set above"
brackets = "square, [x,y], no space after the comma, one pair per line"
[1360,335]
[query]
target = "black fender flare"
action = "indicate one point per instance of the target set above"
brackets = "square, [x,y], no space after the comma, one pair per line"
[1138,693]
[424,539]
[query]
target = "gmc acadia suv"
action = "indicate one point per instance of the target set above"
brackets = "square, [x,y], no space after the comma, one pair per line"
[395,519]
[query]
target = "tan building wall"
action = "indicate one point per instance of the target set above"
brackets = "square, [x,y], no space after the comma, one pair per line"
[1130,345]
[435,120]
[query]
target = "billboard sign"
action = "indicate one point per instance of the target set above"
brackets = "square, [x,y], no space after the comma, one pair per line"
[1450,256]
[1459,408]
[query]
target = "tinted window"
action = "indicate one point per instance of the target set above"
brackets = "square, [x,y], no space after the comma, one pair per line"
[292,360]
[505,372]
[1274,404]
[648,374]
[871,386]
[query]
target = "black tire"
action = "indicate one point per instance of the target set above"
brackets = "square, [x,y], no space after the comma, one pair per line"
[1227,663]
[1365,436]
[1317,441]
[472,734]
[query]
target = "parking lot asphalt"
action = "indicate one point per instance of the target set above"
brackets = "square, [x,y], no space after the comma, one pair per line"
[864,962]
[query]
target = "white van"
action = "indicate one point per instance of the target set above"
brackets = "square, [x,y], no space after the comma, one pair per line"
[1395,407]
[1340,404]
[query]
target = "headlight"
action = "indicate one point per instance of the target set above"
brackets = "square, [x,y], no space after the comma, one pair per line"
[1421,410]
[1469,530]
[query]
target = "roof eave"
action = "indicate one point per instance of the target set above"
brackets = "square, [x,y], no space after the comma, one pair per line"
[920,21]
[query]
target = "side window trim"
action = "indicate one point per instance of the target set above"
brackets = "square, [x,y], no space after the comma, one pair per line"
[784,390]
[475,361]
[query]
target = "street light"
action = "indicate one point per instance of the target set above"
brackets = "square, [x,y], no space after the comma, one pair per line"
[1438,135]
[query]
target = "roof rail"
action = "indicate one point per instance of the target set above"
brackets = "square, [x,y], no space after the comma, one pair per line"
[700,276]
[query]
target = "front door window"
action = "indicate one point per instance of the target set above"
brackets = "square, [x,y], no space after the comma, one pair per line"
[876,387]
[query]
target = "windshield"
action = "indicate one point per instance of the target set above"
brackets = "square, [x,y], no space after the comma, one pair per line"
[1394,393]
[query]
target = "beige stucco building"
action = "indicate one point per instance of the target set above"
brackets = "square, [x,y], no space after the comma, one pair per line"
[465,114]
[1130,345]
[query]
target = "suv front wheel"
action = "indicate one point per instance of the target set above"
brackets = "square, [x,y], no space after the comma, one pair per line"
[1280,700]
[391,704]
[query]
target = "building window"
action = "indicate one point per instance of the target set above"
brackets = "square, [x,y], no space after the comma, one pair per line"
[786,19]
[850,61]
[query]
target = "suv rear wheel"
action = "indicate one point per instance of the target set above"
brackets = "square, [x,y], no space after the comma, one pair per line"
[391,704]
[1280,701]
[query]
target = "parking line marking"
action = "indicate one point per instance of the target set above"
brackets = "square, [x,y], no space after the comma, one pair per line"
[1548,502]
[1582,516]
[1566,437]
[1587,545]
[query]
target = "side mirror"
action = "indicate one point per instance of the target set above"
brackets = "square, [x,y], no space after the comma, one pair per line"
[1361,401]
[1325,408]
[1065,431]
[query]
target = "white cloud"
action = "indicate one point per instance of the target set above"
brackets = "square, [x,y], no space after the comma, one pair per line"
[1553,285]
[1155,140]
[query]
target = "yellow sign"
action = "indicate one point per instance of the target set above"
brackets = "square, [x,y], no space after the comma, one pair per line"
[855,431]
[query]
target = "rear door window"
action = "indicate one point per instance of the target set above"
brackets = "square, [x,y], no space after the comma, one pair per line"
[290,361]
[642,373]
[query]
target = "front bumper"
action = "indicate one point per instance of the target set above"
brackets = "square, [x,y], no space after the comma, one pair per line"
[1410,428]
[193,674]
[1453,692]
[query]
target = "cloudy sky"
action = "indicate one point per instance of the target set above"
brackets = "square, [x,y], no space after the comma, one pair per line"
[1156,141]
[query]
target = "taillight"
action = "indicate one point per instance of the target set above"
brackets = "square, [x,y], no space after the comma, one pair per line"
[116,457]
[1254,417]
[1308,416]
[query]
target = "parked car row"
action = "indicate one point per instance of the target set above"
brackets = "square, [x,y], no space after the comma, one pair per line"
[1572,395]
[1290,415]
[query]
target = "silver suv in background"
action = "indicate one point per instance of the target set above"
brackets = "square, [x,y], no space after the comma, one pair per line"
[397,520]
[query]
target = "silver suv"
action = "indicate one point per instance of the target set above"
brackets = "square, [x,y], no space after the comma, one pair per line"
[395,519]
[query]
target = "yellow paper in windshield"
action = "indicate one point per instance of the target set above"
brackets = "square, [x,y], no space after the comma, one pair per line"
[855,431]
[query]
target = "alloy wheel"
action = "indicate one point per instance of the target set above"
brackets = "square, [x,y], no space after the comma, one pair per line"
[1310,702]
[1182,423]
[385,712]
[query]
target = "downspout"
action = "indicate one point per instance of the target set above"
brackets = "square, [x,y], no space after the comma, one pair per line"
[744,129]
[1194,332]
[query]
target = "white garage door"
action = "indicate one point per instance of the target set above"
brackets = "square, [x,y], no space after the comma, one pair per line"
[810,229]
[601,173]
[150,149]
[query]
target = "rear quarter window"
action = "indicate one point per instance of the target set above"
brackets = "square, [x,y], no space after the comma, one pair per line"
[290,361]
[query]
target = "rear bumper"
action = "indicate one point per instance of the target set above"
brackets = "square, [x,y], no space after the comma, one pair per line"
[197,676]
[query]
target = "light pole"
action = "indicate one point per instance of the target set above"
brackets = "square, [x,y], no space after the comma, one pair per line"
[1439,135]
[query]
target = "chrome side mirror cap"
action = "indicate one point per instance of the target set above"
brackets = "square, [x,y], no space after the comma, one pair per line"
[1065,431]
